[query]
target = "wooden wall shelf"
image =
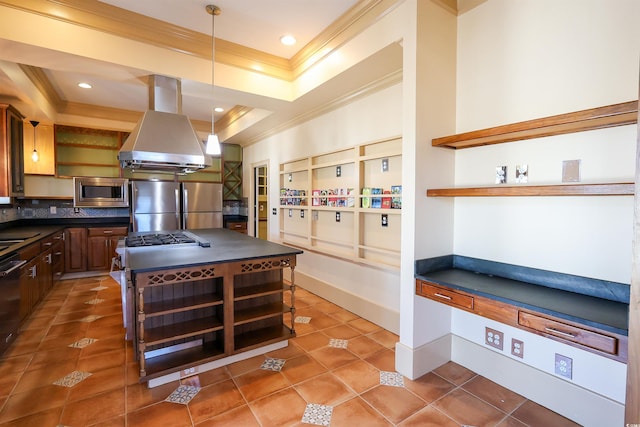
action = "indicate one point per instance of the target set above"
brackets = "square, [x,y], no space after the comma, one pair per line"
[613,189]
[625,113]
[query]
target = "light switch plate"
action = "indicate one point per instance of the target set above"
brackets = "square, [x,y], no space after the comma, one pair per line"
[571,170]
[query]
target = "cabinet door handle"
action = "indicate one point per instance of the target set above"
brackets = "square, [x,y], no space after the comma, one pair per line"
[561,333]
[34,272]
[439,295]
[47,244]
[108,231]
[48,258]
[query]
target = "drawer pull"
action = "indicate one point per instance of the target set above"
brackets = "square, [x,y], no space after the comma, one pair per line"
[562,333]
[439,295]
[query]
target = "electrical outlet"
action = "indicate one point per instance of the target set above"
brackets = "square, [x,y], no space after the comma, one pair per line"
[517,348]
[564,366]
[53,210]
[493,338]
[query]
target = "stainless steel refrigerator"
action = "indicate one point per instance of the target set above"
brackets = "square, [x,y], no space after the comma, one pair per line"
[162,206]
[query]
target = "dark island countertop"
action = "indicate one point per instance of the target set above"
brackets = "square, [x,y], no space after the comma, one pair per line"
[226,246]
[477,277]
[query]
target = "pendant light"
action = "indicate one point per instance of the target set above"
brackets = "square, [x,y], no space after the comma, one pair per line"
[34,154]
[213,144]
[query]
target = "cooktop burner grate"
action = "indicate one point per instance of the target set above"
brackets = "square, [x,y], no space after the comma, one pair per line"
[156,239]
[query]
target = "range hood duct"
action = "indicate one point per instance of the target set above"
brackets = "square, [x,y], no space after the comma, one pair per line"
[164,140]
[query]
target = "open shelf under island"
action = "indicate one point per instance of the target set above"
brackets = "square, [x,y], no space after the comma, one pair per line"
[197,307]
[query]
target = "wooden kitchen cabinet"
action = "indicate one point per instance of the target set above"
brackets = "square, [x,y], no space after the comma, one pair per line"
[44,144]
[75,252]
[11,153]
[29,288]
[239,226]
[101,246]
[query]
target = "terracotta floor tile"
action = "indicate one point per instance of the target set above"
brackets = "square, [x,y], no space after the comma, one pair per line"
[467,409]
[44,376]
[344,316]
[103,346]
[290,351]
[384,360]
[511,422]
[364,326]
[36,323]
[363,346]
[359,375]
[356,412]
[215,400]
[333,358]
[213,376]
[7,383]
[44,359]
[324,321]
[494,394]
[9,365]
[140,396]
[50,417]
[395,403]
[429,387]
[119,421]
[312,341]
[30,402]
[241,416]
[161,414]
[454,373]
[62,341]
[342,332]
[301,368]
[428,417]
[310,299]
[280,409]
[62,329]
[259,383]
[386,338]
[244,366]
[98,383]
[536,415]
[304,329]
[325,389]
[96,363]
[327,307]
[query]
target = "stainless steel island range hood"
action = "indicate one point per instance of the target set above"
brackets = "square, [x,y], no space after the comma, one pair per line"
[164,140]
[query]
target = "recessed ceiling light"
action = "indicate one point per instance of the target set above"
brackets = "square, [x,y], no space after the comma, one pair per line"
[85,85]
[218,109]
[288,40]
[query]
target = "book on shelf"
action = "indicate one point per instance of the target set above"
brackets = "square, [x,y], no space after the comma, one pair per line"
[351,201]
[396,202]
[315,201]
[386,201]
[376,202]
[366,200]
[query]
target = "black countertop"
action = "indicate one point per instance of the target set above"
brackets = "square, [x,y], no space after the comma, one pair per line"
[226,246]
[28,235]
[592,310]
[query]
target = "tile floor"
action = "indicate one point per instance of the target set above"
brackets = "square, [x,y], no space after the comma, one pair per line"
[72,367]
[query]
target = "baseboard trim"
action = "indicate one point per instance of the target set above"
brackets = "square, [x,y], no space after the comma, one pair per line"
[415,362]
[380,315]
[569,400]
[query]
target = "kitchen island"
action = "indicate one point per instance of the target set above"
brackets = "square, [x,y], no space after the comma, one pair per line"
[204,304]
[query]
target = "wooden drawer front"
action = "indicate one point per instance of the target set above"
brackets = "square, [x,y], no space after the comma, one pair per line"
[569,333]
[110,231]
[443,295]
[237,226]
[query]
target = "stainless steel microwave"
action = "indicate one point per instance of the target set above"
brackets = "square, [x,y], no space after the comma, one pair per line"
[100,192]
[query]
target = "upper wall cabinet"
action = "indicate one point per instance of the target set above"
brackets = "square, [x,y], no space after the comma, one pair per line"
[44,144]
[596,118]
[11,154]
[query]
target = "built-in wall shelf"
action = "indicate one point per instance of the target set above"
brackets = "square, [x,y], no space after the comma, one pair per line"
[625,113]
[613,189]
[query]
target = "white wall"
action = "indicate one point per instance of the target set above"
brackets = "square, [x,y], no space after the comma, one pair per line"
[528,59]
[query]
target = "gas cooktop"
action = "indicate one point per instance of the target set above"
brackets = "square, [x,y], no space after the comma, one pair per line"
[156,239]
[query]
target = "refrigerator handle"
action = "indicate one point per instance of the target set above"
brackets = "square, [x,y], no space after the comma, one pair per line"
[179,220]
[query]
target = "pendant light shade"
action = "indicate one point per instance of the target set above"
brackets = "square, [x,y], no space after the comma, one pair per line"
[213,144]
[34,154]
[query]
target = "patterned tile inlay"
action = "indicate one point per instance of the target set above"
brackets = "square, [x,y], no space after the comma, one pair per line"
[82,343]
[272,364]
[72,379]
[319,415]
[99,288]
[336,343]
[391,378]
[183,394]
[302,319]
[95,301]
[90,318]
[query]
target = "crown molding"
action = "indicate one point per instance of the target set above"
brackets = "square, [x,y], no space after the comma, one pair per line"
[110,19]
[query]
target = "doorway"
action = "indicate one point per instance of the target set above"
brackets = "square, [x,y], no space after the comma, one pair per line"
[261,204]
